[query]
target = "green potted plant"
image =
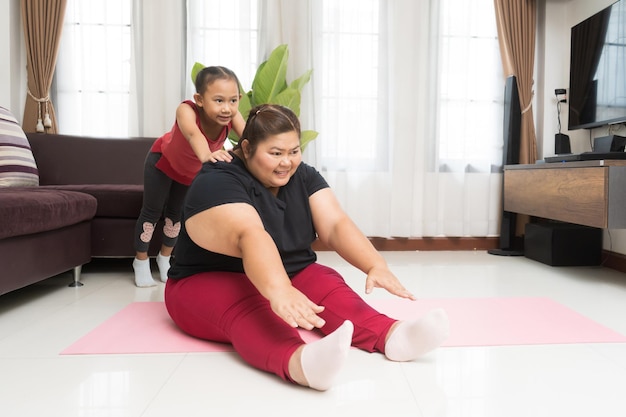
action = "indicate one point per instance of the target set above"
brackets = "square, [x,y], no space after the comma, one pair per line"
[270,87]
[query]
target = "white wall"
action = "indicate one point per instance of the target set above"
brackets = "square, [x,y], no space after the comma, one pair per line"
[560,16]
[553,73]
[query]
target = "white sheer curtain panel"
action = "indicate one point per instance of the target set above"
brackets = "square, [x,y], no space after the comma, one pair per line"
[354,149]
[406,95]
[158,70]
[464,187]
[386,155]
[223,33]
[91,84]
[402,142]
[121,67]
[294,23]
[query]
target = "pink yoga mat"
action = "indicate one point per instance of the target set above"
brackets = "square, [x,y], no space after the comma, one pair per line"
[145,327]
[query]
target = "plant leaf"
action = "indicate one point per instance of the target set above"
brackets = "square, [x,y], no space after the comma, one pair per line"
[290,98]
[307,136]
[270,86]
[244,106]
[302,81]
[270,80]
[197,67]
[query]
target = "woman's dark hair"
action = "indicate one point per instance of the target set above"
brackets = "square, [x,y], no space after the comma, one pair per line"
[266,120]
[208,75]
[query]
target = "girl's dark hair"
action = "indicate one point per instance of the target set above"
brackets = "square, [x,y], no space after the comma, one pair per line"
[208,75]
[266,120]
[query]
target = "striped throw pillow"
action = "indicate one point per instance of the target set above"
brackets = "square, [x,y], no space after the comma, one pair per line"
[17,165]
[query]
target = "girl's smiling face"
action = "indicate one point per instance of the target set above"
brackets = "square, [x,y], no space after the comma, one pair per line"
[275,160]
[219,102]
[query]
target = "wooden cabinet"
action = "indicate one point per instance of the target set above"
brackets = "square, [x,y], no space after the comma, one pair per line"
[590,193]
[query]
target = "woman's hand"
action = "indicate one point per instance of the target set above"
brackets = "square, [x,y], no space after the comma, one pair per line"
[382,277]
[236,229]
[336,230]
[296,309]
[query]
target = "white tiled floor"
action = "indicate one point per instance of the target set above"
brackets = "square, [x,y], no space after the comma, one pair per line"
[38,322]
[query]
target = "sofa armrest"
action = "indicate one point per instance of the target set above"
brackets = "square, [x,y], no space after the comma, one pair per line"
[66,159]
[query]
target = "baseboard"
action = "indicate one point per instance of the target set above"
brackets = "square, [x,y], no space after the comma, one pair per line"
[614,260]
[427,243]
[610,259]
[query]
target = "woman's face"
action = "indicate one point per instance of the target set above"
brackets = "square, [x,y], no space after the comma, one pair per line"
[275,160]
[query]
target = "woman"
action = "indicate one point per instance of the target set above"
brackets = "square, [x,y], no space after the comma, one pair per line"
[245,272]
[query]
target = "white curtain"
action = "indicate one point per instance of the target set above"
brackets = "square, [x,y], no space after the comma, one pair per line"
[407,155]
[222,33]
[91,76]
[420,195]
[416,193]
[294,23]
[120,68]
[157,65]
[397,199]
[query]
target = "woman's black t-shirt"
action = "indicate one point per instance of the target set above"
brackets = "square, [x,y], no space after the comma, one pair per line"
[286,217]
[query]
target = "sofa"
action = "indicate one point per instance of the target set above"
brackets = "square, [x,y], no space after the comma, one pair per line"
[83,204]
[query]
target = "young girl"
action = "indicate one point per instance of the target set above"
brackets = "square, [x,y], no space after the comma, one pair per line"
[198,136]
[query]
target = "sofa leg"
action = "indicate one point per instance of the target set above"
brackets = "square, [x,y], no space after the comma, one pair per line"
[77,282]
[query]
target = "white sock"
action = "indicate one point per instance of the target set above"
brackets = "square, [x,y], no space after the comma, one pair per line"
[163,262]
[143,276]
[322,359]
[415,338]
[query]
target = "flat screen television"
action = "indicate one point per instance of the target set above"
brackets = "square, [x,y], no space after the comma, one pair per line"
[597,84]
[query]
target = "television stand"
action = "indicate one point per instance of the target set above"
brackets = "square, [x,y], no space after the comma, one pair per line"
[590,193]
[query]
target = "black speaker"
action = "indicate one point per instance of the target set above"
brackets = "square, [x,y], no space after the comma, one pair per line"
[561,144]
[512,122]
[563,244]
[510,155]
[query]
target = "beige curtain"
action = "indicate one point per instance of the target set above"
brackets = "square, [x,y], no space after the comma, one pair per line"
[516,22]
[42,21]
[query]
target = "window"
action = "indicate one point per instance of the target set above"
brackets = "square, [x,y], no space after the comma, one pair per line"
[471,87]
[224,33]
[349,98]
[92,95]
[94,64]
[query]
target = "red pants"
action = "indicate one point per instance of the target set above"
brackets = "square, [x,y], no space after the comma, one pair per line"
[226,307]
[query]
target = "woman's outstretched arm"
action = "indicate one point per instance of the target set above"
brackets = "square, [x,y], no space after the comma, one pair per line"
[337,231]
[236,230]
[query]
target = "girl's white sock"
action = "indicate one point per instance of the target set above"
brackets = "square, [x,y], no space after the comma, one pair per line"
[414,338]
[322,359]
[143,275]
[163,262]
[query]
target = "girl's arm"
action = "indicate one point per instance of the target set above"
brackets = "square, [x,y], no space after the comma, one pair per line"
[186,119]
[337,231]
[235,229]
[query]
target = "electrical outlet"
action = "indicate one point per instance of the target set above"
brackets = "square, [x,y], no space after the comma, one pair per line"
[559,91]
